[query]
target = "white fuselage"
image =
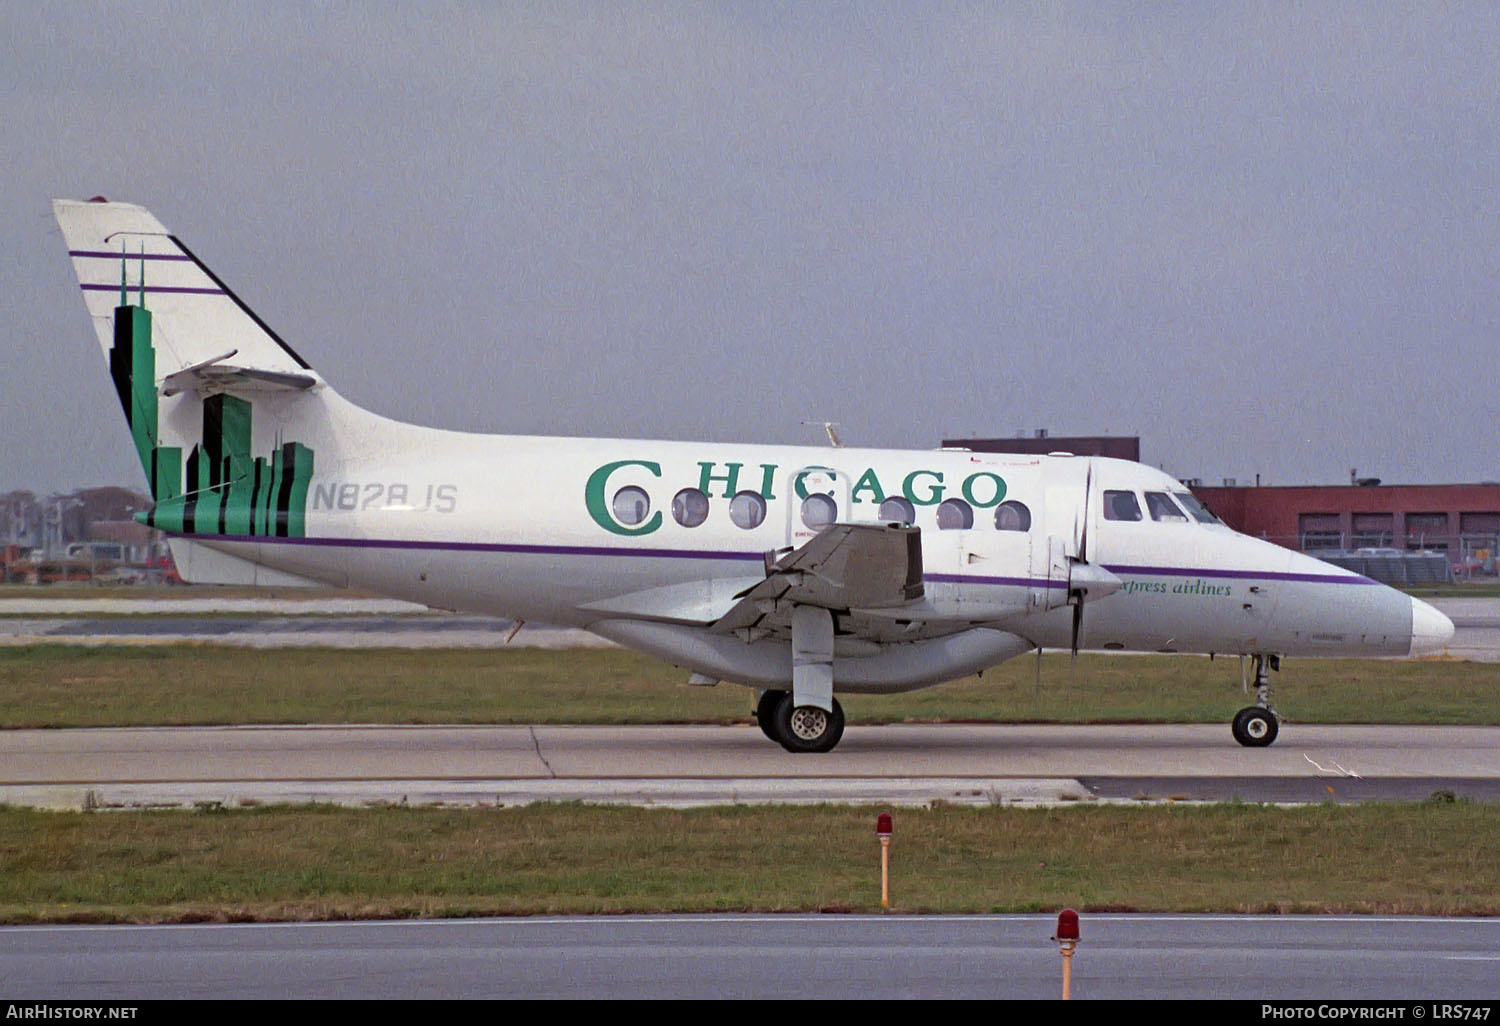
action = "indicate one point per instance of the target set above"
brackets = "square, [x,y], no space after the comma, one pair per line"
[526,527]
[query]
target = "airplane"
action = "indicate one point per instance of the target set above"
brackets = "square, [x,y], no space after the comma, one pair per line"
[801,572]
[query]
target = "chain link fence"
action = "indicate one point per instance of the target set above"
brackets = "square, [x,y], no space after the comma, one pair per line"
[1418,559]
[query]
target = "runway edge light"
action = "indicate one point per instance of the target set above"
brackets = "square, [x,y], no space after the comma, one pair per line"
[1067,940]
[883,827]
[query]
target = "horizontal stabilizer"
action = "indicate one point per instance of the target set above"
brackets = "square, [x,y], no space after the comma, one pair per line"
[224,377]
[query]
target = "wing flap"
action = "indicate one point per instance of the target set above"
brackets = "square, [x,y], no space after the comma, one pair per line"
[847,566]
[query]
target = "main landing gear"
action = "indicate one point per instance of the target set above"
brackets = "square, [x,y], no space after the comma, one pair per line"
[1256,726]
[798,728]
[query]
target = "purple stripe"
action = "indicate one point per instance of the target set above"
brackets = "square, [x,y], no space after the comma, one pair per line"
[153,290]
[544,550]
[1012,582]
[104,254]
[1254,575]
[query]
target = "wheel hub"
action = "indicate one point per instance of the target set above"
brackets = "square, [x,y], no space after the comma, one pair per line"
[809,722]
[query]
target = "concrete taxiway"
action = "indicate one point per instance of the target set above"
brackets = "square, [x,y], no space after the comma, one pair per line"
[696,765]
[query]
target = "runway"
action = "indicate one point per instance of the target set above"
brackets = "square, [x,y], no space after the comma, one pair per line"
[1261,958]
[701,765]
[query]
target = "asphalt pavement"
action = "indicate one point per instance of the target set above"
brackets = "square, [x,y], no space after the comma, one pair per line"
[791,957]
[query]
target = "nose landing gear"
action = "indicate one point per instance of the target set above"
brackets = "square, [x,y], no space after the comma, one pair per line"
[1256,726]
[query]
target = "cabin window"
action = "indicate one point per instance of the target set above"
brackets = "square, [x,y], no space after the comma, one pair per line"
[1121,506]
[747,510]
[897,510]
[819,510]
[1163,508]
[631,505]
[1012,516]
[955,515]
[690,507]
[1197,509]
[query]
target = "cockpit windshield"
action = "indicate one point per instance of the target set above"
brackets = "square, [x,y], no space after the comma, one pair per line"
[1197,509]
[1163,508]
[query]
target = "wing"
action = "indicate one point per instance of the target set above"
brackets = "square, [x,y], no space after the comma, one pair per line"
[846,567]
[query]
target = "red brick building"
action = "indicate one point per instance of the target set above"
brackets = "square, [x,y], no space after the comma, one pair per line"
[1461,520]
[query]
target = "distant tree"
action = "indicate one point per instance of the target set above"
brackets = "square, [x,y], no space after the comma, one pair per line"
[111,503]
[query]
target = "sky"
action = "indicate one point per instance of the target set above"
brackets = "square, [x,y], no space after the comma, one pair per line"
[1264,237]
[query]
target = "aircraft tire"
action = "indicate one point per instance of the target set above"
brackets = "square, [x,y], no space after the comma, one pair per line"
[807,728]
[1255,727]
[765,713]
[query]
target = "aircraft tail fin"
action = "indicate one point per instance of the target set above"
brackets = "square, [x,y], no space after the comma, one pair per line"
[205,384]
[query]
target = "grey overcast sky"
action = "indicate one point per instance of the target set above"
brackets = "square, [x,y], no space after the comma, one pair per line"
[1263,236]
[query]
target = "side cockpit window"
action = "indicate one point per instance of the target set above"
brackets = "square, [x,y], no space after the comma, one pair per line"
[1121,506]
[1162,508]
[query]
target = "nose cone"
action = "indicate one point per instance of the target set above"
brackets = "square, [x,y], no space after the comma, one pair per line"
[1430,630]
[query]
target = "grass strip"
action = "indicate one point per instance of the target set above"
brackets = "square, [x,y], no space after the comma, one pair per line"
[72,686]
[321,862]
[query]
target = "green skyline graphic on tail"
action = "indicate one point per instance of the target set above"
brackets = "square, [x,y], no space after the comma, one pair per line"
[227,491]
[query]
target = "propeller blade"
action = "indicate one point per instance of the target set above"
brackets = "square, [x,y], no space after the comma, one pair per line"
[1077,629]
